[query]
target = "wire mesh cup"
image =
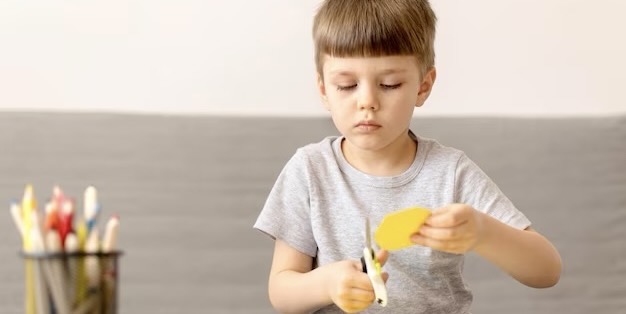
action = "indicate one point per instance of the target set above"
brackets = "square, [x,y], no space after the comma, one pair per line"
[73,283]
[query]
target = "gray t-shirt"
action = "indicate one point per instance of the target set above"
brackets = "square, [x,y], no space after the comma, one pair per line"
[319,203]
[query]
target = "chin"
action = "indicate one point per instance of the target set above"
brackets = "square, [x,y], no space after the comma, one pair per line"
[367,142]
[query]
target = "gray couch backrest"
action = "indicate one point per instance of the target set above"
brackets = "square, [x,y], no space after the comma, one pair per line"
[188,190]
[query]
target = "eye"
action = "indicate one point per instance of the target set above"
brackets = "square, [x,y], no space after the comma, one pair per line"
[387,86]
[343,88]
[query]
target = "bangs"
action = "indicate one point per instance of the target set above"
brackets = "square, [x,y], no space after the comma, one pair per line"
[374,28]
[364,33]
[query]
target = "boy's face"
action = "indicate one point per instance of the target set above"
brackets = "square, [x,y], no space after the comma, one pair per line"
[371,100]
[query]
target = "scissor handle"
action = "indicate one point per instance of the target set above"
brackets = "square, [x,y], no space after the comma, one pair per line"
[372,268]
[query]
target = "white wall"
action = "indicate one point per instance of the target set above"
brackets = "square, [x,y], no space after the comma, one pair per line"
[254,57]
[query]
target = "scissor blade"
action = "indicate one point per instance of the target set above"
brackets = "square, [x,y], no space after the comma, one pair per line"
[368,234]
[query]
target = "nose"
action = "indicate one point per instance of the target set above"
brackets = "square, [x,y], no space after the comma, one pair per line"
[367,100]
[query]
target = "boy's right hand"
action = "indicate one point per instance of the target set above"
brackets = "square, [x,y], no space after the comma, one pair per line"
[349,287]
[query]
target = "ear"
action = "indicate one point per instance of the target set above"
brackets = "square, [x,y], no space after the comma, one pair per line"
[321,88]
[426,86]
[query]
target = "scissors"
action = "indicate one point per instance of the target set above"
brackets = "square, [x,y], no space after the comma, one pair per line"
[372,267]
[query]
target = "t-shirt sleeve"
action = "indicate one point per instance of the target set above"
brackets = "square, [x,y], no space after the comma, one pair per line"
[286,213]
[475,188]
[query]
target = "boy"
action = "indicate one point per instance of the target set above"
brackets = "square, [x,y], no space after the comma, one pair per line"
[375,64]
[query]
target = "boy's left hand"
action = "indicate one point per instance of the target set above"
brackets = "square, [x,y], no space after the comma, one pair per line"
[456,228]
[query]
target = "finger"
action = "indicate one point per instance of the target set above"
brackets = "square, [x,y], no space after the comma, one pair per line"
[361,296]
[385,276]
[351,309]
[436,215]
[350,306]
[449,234]
[457,247]
[382,256]
[418,239]
[361,281]
[446,217]
[440,210]
[354,306]
[353,299]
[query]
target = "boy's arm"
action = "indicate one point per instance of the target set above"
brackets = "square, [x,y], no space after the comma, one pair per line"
[295,287]
[524,254]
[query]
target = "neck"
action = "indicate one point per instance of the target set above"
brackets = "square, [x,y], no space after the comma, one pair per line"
[390,160]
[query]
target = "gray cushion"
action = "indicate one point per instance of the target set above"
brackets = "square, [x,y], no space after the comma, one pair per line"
[188,190]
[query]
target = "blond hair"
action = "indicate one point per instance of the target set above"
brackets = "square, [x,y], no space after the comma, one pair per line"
[374,28]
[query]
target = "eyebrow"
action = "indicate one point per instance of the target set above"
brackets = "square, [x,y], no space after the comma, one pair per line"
[384,72]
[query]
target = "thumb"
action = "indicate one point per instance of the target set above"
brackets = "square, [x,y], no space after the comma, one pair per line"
[382,256]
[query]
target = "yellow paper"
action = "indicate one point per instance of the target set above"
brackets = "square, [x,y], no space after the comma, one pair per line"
[395,230]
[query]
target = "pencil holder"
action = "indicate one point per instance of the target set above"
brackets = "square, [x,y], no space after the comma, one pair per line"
[73,283]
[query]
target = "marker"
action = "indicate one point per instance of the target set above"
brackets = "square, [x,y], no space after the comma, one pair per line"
[56,276]
[28,210]
[109,272]
[52,217]
[40,289]
[91,207]
[29,206]
[71,247]
[80,294]
[92,266]
[110,234]
[53,208]
[57,195]
[89,305]
[17,218]
[66,216]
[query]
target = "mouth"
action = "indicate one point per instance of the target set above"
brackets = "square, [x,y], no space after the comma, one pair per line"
[367,125]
